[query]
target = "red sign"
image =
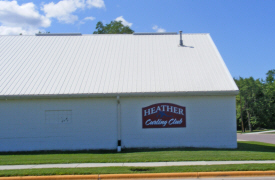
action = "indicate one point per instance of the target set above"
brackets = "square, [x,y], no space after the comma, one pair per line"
[163,115]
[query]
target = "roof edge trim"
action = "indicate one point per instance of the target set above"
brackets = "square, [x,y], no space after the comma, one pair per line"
[156,33]
[223,63]
[58,34]
[154,94]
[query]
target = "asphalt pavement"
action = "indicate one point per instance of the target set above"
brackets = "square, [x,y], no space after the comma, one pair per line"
[257,136]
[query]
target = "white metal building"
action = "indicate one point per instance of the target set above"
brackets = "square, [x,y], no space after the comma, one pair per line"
[73,91]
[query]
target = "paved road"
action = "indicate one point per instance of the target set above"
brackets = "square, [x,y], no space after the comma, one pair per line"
[267,138]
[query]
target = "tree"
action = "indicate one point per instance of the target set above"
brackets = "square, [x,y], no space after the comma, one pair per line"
[240,104]
[115,27]
[45,32]
[269,91]
[270,76]
[255,102]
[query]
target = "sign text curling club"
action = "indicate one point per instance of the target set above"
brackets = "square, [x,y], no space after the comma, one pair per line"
[163,115]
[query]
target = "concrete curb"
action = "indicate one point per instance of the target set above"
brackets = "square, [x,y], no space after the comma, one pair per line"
[132,164]
[261,132]
[148,175]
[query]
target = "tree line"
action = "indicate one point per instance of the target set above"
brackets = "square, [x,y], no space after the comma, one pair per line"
[255,103]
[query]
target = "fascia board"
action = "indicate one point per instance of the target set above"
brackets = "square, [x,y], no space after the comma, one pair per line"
[106,95]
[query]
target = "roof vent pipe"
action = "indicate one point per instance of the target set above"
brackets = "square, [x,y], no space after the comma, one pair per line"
[181,42]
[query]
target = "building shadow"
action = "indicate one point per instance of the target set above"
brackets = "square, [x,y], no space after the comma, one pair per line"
[248,146]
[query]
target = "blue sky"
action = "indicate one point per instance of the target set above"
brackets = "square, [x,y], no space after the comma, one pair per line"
[243,31]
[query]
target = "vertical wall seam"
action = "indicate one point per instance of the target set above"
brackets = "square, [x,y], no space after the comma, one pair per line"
[118,125]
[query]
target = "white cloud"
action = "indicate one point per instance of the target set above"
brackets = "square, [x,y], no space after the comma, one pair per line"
[26,19]
[16,19]
[158,29]
[161,30]
[95,3]
[64,9]
[124,22]
[5,30]
[155,27]
[89,18]
[86,19]
[26,15]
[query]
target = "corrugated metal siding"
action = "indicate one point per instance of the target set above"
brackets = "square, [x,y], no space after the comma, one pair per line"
[98,64]
[210,122]
[24,126]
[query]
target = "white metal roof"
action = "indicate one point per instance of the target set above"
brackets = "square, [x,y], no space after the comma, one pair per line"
[112,65]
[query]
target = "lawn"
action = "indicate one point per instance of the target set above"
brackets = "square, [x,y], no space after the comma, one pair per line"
[245,151]
[127,170]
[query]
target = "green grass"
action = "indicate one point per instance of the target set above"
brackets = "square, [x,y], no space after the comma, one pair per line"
[127,170]
[246,151]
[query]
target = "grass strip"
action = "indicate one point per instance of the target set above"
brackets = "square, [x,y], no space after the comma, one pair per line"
[128,170]
[246,151]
